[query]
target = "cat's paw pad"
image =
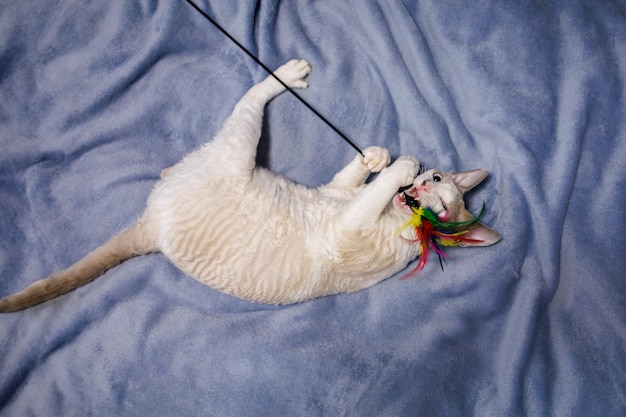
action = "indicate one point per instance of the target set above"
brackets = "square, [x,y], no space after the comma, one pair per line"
[293,73]
[376,158]
[405,169]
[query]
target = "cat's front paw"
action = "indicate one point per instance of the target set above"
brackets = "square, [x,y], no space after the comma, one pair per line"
[293,73]
[376,158]
[404,170]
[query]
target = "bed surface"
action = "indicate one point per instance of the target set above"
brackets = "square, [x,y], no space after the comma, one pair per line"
[97,97]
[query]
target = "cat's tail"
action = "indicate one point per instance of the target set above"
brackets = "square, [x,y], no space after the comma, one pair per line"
[133,241]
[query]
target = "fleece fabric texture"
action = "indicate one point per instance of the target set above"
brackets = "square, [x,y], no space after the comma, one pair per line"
[96,97]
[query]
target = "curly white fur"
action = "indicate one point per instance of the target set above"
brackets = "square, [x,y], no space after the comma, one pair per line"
[253,234]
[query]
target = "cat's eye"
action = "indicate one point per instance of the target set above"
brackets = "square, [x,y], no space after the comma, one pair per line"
[437,177]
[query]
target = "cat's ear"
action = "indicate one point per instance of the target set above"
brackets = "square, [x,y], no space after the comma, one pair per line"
[484,236]
[467,180]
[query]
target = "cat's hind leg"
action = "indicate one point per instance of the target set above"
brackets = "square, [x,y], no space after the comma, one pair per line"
[237,141]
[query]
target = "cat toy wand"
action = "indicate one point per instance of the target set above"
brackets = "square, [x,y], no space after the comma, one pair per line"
[266,68]
[430,231]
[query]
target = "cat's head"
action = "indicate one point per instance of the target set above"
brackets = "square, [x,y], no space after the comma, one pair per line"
[443,193]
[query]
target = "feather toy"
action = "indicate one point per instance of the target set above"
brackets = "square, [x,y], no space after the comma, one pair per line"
[431,233]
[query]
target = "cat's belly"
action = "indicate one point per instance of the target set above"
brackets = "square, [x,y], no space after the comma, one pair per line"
[246,244]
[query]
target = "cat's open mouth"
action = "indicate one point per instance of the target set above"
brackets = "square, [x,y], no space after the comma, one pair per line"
[406,202]
[410,201]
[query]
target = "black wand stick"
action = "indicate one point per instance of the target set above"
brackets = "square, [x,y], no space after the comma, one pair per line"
[265,67]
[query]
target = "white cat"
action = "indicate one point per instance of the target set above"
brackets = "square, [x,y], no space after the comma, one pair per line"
[250,233]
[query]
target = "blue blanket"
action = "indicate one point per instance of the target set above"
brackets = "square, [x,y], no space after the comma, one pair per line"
[96,97]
